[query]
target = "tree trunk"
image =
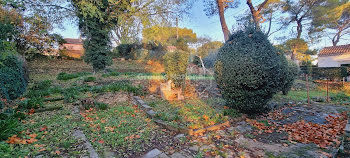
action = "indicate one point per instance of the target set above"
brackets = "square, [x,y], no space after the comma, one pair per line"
[222,19]
[336,39]
[299,29]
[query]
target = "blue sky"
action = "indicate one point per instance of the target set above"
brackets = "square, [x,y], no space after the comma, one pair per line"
[210,26]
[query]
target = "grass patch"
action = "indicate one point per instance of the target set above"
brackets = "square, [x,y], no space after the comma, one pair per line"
[122,128]
[192,113]
[68,76]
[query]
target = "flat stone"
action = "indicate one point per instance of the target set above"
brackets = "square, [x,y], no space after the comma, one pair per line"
[177,155]
[347,128]
[146,106]
[194,148]
[152,154]
[179,136]
[108,154]
[141,102]
[162,155]
[137,97]
[151,113]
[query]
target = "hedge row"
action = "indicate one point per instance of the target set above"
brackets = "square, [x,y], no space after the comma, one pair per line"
[328,72]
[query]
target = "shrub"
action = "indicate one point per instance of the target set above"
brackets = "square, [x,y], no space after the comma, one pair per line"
[12,77]
[32,103]
[209,61]
[289,74]
[89,79]
[175,64]
[232,113]
[101,106]
[330,72]
[248,71]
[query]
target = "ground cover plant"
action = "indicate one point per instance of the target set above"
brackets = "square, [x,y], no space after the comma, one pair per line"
[191,113]
[123,128]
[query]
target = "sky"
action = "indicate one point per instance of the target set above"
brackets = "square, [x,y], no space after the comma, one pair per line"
[205,26]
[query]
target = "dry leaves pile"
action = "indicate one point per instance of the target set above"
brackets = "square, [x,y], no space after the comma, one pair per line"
[262,126]
[321,134]
[16,140]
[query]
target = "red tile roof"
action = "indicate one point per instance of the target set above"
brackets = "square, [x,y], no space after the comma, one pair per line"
[335,50]
[73,41]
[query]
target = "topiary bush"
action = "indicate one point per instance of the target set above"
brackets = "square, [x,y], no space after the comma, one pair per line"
[12,77]
[175,64]
[248,71]
[289,74]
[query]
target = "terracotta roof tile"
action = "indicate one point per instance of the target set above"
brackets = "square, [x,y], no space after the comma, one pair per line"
[73,41]
[335,50]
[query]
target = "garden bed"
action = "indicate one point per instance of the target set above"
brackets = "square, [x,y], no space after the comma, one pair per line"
[191,116]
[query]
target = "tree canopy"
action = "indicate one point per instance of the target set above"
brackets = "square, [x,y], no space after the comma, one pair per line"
[167,34]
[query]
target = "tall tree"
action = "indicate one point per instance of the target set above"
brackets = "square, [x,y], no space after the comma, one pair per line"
[299,11]
[213,7]
[257,12]
[147,13]
[332,17]
[96,19]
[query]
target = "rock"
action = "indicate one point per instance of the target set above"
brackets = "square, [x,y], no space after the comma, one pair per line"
[151,113]
[179,136]
[145,106]
[152,154]
[242,127]
[162,155]
[177,155]
[194,148]
[347,128]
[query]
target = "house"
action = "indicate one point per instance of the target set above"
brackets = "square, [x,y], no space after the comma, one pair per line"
[72,48]
[334,56]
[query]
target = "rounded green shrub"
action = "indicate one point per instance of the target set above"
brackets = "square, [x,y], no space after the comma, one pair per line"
[248,71]
[12,77]
[175,64]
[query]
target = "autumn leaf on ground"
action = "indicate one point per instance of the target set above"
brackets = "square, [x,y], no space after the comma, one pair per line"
[43,128]
[32,135]
[57,152]
[101,141]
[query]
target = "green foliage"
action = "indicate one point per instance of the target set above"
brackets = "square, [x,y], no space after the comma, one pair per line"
[9,125]
[12,78]
[65,76]
[165,35]
[96,19]
[31,103]
[89,79]
[113,73]
[248,71]
[175,64]
[330,72]
[101,106]
[289,74]
[232,113]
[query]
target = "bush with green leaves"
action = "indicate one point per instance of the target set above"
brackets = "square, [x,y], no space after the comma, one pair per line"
[289,74]
[248,71]
[12,77]
[175,64]
[101,106]
[89,79]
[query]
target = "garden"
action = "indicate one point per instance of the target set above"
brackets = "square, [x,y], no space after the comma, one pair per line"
[171,94]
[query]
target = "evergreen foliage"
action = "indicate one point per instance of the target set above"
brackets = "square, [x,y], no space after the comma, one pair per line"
[289,74]
[175,64]
[12,77]
[248,71]
[96,19]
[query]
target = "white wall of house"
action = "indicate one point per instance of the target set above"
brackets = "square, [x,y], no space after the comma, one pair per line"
[334,61]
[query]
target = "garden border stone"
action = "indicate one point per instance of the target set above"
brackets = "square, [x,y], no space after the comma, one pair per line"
[146,108]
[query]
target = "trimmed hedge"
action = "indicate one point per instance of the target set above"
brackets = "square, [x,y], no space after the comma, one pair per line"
[248,71]
[12,77]
[330,72]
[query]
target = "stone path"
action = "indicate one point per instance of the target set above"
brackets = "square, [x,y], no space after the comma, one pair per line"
[156,153]
[78,134]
